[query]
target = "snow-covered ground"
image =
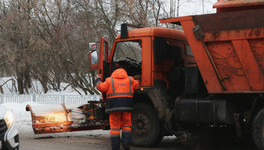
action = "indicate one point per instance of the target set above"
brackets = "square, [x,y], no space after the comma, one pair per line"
[8,88]
[23,118]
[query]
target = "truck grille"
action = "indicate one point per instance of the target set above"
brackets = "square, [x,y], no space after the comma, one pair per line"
[3,129]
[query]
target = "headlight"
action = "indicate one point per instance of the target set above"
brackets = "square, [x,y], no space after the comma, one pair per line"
[9,118]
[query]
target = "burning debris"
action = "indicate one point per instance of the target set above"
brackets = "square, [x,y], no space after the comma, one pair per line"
[66,118]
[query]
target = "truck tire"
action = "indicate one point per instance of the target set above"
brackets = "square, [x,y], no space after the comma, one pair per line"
[145,126]
[258,129]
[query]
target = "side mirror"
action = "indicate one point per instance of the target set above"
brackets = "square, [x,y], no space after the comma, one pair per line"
[93,56]
[92,47]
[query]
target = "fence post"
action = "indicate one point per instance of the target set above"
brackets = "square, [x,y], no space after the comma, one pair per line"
[34,98]
[2,99]
[63,99]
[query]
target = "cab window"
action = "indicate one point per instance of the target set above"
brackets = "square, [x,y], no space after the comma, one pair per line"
[128,55]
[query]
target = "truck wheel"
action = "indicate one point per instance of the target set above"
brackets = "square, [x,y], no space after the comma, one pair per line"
[258,129]
[145,126]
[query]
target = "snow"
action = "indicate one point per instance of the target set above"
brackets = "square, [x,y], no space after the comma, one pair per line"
[22,117]
[23,121]
[8,88]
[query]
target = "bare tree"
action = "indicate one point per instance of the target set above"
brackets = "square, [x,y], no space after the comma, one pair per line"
[48,40]
[16,40]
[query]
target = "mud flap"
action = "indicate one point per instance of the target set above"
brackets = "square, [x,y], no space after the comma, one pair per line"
[66,118]
[160,99]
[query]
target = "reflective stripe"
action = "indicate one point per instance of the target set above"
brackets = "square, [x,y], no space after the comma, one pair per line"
[113,88]
[118,108]
[113,85]
[114,135]
[114,132]
[115,129]
[130,85]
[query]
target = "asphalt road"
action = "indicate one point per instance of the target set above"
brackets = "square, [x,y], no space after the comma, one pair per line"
[85,140]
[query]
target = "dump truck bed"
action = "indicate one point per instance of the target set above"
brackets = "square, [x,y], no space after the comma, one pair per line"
[228,48]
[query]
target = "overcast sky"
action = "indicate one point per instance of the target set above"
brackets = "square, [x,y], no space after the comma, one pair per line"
[195,7]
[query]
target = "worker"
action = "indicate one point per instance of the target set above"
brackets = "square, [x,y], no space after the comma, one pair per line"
[119,89]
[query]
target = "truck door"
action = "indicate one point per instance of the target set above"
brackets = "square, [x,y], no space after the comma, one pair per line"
[100,61]
[104,64]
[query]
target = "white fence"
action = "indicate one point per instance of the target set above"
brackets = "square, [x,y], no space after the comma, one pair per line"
[49,99]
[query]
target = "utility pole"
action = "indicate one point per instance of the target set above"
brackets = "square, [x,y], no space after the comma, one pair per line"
[203,5]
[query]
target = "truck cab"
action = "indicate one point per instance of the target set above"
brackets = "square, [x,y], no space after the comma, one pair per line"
[158,58]
[150,55]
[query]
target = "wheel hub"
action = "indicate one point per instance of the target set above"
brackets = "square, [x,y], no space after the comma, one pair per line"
[141,125]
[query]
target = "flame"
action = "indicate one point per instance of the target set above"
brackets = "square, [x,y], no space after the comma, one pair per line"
[52,118]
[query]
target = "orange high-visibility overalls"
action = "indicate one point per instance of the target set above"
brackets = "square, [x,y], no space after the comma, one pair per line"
[119,89]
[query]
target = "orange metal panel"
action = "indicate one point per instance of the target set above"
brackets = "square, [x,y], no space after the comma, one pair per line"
[257,47]
[255,33]
[103,55]
[146,61]
[207,71]
[175,20]
[237,3]
[228,66]
[250,65]
[156,31]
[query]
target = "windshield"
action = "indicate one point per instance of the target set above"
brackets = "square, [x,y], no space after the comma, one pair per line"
[128,49]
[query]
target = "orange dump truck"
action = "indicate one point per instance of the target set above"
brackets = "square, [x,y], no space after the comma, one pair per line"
[228,48]
[207,80]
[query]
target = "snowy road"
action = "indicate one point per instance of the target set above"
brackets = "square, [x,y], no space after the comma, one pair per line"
[94,140]
[82,140]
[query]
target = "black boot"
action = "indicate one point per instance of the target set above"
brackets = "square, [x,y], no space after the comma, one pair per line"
[126,137]
[115,142]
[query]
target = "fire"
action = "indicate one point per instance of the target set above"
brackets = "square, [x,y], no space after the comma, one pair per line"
[52,118]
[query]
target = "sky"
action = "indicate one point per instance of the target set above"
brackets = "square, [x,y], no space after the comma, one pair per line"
[194,7]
